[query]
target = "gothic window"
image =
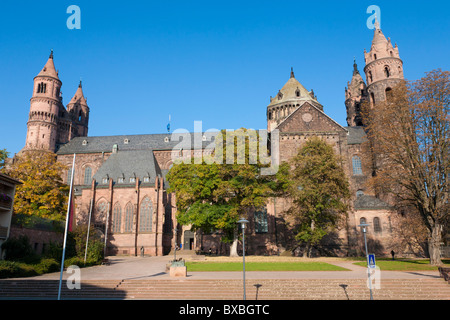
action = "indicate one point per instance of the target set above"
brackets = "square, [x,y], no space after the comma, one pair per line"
[87,175]
[376,224]
[117,218]
[261,225]
[100,215]
[128,217]
[69,175]
[357,169]
[146,215]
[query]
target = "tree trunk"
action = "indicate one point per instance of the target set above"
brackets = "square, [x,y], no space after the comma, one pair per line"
[434,245]
[306,253]
[233,248]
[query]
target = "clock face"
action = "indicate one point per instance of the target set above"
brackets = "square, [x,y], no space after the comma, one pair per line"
[307,117]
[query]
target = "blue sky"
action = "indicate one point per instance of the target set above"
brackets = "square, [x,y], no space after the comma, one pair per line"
[212,61]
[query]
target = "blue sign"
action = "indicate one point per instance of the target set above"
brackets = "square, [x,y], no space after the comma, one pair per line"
[371,261]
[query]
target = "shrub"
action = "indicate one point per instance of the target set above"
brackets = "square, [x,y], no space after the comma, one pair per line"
[12,269]
[17,249]
[47,265]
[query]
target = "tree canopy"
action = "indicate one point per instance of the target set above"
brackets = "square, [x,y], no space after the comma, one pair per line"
[215,195]
[319,190]
[42,193]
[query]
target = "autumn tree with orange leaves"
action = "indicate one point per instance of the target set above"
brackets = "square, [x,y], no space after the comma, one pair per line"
[409,138]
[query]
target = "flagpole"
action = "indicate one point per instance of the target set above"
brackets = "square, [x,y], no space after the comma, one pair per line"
[89,227]
[67,226]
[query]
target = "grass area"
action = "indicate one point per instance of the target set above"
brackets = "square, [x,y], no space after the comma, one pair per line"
[404,265]
[262,266]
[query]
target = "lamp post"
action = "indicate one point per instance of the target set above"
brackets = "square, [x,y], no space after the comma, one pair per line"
[243,222]
[364,225]
[175,250]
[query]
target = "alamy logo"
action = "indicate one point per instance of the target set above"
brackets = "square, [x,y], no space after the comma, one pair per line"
[374,21]
[74,20]
[74,280]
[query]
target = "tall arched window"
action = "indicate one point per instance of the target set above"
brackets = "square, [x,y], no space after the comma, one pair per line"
[357,169]
[145,215]
[261,225]
[69,175]
[388,93]
[117,218]
[87,175]
[128,217]
[387,72]
[100,215]
[376,224]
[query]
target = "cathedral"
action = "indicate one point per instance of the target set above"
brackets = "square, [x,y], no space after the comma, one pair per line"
[120,184]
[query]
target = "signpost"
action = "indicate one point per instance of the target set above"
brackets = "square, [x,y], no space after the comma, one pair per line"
[364,225]
[371,259]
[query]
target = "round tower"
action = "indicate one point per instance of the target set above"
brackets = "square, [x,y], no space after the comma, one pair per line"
[384,68]
[45,104]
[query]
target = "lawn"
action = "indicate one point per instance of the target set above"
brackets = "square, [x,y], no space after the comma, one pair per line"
[262,266]
[404,265]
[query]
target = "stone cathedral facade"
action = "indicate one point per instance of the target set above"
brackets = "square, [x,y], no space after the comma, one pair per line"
[120,180]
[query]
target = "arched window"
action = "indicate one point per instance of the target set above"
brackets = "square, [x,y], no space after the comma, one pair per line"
[87,175]
[359,193]
[146,215]
[128,217]
[261,225]
[362,220]
[376,224]
[69,175]
[117,218]
[38,88]
[79,115]
[387,72]
[388,93]
[370,76]
[372,95]
[357,169]
[102,208]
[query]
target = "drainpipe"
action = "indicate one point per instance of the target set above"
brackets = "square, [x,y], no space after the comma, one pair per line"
[137,217]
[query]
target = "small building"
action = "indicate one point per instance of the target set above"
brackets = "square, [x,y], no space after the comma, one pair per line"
[7,192]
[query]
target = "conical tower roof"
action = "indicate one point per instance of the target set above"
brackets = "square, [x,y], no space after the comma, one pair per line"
[79,96]
[49,68]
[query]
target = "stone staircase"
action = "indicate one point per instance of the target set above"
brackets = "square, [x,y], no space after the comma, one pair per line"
[266,289]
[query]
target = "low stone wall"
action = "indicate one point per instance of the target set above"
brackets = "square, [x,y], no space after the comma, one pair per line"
[38,238]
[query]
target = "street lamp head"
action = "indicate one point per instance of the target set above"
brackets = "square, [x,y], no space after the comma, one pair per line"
[363,225]
[243,222]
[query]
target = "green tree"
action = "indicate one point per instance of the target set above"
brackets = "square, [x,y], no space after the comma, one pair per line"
[42,193]
[319,190]
[215,195]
